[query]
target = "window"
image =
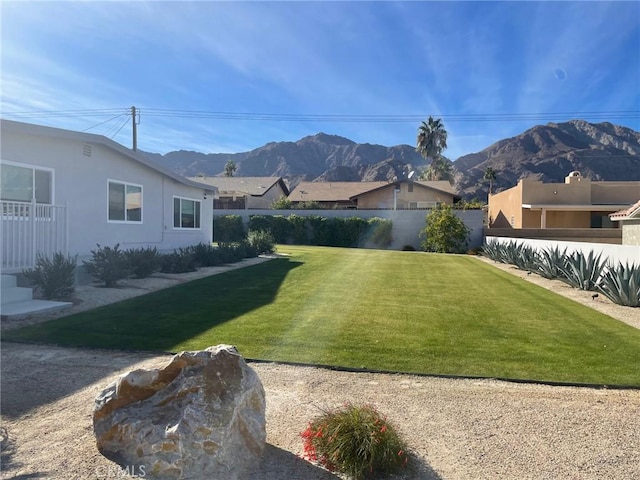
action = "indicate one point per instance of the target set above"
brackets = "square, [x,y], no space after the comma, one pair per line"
[410,187]
[22,183]
[125,202]
[186,213]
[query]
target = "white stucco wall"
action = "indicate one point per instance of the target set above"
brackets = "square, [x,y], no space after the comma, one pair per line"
[614,253]
[81,182]
[631,232]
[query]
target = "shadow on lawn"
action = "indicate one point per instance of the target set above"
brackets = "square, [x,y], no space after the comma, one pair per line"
[160,320]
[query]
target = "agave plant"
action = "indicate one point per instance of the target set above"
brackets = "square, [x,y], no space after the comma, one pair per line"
[492,249]
[548,262]
[621,284]
[582,271]
[524,257]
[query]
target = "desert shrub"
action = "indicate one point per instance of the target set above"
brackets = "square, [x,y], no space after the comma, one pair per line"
[228,228]
[204,255]
[355,440]
[261,241]
[143,261]
[108,265]
[621,284]
[180,261]
[55,276]
[444,232]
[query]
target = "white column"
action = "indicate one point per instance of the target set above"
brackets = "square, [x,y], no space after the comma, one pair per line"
[543,218]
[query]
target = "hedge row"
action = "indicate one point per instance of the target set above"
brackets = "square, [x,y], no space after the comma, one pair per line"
[308,230]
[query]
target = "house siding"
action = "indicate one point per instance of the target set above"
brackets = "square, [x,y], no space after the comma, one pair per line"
[81,183]
[383,198]
[631,233]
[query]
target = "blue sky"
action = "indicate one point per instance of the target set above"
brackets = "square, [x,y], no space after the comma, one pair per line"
[489,70]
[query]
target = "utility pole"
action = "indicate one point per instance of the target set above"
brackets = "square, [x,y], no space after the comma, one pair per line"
[135,128]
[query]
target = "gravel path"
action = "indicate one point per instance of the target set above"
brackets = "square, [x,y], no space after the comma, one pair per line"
[458,429]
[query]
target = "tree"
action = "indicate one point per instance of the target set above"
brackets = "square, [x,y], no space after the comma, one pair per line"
[490,175]
[444,232]
[432,138]
[440,169]
[430,143]
[282,203]
[229,168]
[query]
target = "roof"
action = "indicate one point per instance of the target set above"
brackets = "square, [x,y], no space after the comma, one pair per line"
[632,212]
[255,186]
[331,191]
[139,157]
[440,186]
[346,191]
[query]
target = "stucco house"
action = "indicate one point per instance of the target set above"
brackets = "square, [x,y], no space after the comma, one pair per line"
[399,195]
[576,203]
[629,218]
[67,191]
[245,192]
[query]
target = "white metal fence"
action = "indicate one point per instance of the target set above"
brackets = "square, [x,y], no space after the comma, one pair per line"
[29,229]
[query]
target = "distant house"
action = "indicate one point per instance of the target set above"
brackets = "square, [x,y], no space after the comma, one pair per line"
[68,191]
[630,220]
[399,195]
[576,203]
[245,192]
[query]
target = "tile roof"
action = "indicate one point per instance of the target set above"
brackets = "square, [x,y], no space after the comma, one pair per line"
[632,212]
[256,186]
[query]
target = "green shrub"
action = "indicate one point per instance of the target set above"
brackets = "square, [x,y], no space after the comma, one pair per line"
[282,203]
[621,284]
[55,276]
[262,241]
[143,261]
[108,265]
[204,255]
[355,440]
[444,232]
[180,261]
[228,228]
[582,271]
[408,248]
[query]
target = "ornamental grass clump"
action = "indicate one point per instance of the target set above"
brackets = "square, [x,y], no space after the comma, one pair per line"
[355,440]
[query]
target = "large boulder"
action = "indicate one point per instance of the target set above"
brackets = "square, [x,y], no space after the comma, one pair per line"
[201,416]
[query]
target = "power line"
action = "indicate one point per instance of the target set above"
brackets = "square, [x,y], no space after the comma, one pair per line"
[102,123]
[337,118]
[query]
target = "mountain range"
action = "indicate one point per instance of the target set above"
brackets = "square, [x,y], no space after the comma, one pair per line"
[600,151]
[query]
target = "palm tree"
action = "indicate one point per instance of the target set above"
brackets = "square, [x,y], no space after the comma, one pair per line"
[440,169]
[229,168]
[490,175]
[432,139]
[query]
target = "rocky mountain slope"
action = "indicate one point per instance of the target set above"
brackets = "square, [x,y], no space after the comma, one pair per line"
[601,151]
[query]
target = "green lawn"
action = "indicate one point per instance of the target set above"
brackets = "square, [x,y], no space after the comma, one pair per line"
[385,310]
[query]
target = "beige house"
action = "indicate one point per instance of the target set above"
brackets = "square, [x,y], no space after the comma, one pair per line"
[630,221]
[401,195]
[245,192]
[576,203]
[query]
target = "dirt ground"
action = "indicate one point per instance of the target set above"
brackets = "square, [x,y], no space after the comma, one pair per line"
[457,428]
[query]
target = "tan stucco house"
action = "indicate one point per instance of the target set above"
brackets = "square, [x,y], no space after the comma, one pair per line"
[630,223]
[384,195]
[576,203]
[245,192]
